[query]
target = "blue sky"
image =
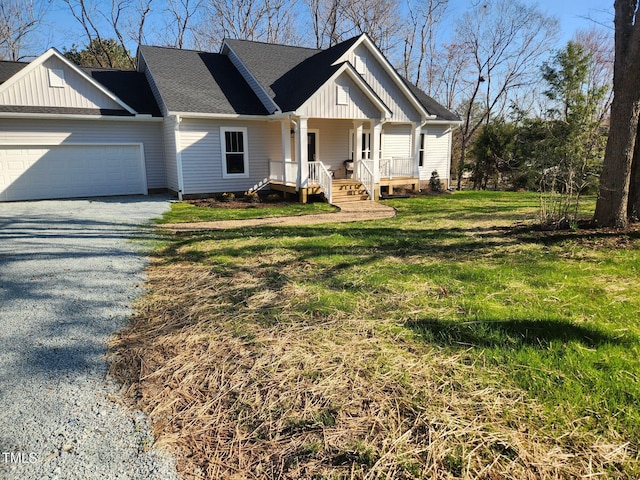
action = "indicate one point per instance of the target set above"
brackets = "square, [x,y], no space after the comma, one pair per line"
[62,30]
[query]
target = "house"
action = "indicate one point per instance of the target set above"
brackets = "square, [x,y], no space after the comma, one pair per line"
[340,121]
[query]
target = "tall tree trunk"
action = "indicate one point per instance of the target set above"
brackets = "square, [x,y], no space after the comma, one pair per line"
[613,198]
[633,206]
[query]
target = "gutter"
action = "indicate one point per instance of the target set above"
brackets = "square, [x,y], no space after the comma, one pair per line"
[70,116]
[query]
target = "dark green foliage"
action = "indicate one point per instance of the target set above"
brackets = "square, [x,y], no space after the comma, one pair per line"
[435,185]
[107,53]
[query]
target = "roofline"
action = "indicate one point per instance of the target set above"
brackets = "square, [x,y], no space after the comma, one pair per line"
[276,107]
[357,78]
[392,72]
[72,116]
[52,52]
[457,123]
[229,116]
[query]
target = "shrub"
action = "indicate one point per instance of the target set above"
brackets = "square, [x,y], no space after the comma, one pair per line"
[274,197]
[252,197]
[435,185]
[227,197]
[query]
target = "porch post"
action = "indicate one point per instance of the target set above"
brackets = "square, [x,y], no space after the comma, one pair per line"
[417,130]
[302,154]
[285,128]
[376,128]
[357,146]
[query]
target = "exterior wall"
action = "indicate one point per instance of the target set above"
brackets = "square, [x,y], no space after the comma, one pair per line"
[386,88]
[56,132]
[34,90]
[396,140]
[170,162]
[333,141]
[253,83]
[437,151]
[202,156]
[323,104]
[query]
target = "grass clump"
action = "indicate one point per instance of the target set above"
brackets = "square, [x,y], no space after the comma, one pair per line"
[438,344]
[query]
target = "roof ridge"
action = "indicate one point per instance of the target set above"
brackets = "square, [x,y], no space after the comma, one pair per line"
[178,49]
[272,43]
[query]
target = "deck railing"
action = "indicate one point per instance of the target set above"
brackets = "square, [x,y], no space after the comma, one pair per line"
[320,175]
[397,167]
[364,173]
[285,172]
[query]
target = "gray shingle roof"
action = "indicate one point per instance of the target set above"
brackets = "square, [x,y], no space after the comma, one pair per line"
[9,69]
[432,107]
[290,75]
[192,81]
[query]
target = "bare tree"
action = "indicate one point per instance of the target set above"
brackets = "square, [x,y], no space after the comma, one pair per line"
[500,45]
[19,20]
[182,15]
[378,18]
[421,54]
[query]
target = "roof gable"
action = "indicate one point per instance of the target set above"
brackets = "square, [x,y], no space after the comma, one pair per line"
[52,81]
[199,82]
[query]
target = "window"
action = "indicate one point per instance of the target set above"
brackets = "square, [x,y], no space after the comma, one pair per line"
[421,151]
[342,95]
[365,154]
[56,77]
[235,160]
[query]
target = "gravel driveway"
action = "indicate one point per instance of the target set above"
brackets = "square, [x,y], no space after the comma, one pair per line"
[68,275]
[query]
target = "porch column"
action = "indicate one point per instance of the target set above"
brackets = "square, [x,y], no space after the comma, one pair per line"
[376,129]
[417,130]
[357,146]
[302,154]
[285,127]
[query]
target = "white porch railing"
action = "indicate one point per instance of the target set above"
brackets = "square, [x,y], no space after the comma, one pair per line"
[320,175]
[397,167]
[364,173]
[285,172]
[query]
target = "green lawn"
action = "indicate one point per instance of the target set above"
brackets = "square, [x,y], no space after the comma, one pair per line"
[440,342]
[184,212]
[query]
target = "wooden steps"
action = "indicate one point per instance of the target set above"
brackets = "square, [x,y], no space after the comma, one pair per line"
[348,190]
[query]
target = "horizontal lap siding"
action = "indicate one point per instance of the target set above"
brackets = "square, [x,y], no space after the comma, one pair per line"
[56,132]
[396,141]
[202,156]
[437,151]
[334,140]
[171,165]
[34,90]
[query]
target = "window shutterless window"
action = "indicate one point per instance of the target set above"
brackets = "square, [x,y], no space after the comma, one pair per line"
[235,158]
[421,151]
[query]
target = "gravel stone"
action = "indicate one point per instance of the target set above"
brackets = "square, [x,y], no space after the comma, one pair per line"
[69,271]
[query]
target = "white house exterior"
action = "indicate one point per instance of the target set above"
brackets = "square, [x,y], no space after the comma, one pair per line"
[253,116]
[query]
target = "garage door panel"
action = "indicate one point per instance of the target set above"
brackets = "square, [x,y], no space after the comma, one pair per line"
[67,171]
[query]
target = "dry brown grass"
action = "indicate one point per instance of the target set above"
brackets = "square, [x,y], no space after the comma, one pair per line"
[241,384]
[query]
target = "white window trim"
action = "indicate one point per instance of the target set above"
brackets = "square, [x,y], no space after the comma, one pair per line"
[422,148]
[342,95]
[361,64]
[223,152]
[365,131]
[317,132]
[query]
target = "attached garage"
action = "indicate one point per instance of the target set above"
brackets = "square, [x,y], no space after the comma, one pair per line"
[30,172]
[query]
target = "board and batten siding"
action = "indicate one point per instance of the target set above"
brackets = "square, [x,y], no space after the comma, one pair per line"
[324,103]
[202,155]
[384,86]
[437,145]
[26,132]
[396,140]
[77,92]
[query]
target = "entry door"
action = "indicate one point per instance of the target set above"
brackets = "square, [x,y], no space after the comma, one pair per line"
[312,146]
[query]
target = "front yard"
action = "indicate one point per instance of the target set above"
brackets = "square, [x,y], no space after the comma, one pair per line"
[442,343]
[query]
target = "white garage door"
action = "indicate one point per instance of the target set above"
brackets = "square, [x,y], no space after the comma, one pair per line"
[67,171]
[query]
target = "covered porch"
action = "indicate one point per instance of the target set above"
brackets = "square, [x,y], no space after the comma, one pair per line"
[345,159]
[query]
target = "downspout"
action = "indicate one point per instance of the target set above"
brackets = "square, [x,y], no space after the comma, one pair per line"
[178,157]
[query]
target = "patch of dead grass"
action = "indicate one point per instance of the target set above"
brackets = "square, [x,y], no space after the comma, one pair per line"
[240,382]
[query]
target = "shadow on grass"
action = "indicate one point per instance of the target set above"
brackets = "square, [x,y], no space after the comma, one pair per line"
[511,333]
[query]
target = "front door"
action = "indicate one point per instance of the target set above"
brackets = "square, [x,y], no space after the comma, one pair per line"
[312,149]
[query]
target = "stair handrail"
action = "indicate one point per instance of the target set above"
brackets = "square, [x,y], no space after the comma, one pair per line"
[319,174]
[364,173]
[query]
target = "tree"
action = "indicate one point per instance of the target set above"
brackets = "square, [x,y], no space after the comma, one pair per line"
[494,152]
[101,53]
[612,206]
[498,46]
[19,21]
